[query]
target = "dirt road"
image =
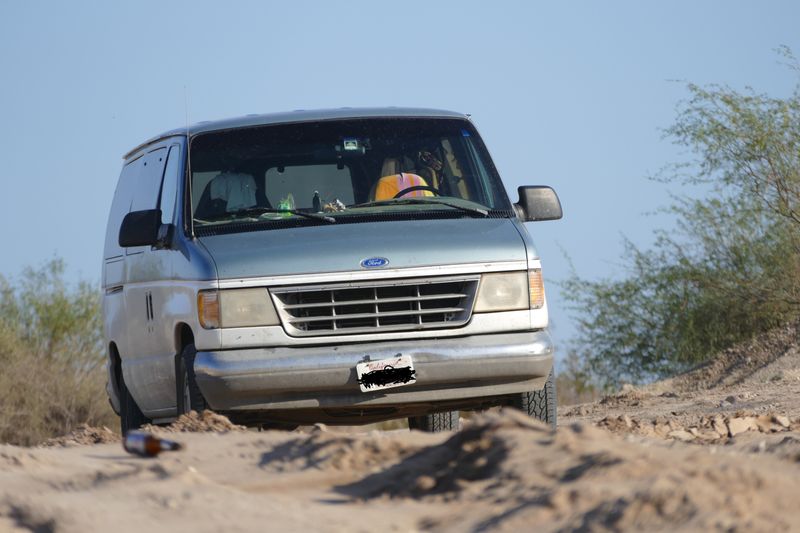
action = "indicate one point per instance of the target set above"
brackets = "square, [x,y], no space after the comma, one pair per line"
[717,449]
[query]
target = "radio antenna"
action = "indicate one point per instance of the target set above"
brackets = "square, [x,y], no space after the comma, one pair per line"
[187,180]
[186,107]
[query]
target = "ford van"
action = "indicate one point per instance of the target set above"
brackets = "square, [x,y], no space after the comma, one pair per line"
[342,266]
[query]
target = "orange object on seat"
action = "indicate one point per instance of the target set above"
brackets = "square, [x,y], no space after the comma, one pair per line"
[389,186]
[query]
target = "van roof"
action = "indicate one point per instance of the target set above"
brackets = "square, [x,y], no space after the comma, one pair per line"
[299,115]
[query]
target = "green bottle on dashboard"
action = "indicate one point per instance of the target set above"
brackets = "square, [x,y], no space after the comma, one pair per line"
[286,204]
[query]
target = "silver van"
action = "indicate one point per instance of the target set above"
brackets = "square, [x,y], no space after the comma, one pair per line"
[343,266]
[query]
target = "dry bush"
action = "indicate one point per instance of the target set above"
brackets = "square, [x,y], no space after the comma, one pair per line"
[51,356]
[574,383]
[729,269]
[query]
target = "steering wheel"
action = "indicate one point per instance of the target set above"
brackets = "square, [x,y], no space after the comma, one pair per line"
[407,190]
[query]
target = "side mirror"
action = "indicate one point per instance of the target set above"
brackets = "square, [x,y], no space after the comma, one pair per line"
[538,202]
[140,228]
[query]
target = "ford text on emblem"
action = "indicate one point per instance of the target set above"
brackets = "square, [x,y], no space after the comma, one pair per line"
[374,262]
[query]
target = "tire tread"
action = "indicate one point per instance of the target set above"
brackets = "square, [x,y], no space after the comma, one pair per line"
[185,368]
[435,422]
[539,404]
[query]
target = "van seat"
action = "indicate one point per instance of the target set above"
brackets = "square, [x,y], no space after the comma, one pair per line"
[225,193]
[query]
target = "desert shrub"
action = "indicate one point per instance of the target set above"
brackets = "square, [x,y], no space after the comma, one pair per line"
[51,355]
[730,269]
[574,383]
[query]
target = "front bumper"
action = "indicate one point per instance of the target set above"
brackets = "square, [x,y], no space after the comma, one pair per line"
[324,377]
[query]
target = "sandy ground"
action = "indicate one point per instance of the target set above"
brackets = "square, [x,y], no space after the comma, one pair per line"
[716,449]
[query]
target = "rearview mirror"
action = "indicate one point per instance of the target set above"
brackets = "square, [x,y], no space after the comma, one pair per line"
[140,228]
[538,202]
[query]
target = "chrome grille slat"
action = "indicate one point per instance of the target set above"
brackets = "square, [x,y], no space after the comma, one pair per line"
[419,307]
[384,300]
[378,315]
[376,306]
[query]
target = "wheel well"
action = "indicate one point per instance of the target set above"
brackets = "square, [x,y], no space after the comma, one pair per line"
[116,366]
[183,337]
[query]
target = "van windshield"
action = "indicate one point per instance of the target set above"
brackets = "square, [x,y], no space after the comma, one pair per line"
[343,171]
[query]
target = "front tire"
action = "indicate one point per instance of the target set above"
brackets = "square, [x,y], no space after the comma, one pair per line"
[435,422]
[130,416]
[539,404]
[189,397]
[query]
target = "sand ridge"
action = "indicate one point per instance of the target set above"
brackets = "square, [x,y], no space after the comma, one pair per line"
[501,472]
[717,448]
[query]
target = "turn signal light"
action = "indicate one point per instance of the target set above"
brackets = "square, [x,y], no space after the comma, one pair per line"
[536,287]
[208,309]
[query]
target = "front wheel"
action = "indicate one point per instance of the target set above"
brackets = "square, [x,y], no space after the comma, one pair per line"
[539,404]
[434,422]
[189,397]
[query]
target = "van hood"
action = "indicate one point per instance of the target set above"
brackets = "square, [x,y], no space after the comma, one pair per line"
[341,248]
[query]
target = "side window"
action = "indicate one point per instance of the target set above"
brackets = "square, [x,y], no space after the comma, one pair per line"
[170,185]
[147,186]
[120,206]
[149,181]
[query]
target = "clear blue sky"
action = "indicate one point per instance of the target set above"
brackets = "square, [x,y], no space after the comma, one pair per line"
[570,94]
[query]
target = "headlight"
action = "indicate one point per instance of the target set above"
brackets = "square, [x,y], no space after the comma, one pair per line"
[502,292]
[236,308]
[510,291]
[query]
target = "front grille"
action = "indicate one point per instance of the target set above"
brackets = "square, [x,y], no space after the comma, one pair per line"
[377,306]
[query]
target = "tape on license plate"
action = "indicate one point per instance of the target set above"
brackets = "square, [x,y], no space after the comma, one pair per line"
[386,373]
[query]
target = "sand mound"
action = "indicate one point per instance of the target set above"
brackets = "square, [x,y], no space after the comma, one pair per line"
[788,448]
[194,422]
[511,472]
[767,355]
[472,454]
[629,396]
[84,434]
[321,451]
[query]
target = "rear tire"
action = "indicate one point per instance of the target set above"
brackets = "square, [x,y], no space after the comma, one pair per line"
[539,404]
[189,397]
[435,422]
[130,416]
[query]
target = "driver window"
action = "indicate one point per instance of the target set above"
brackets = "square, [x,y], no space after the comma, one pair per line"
[170,185]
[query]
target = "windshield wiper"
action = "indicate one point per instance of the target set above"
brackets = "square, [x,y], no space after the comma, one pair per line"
[418,201]
[264,210]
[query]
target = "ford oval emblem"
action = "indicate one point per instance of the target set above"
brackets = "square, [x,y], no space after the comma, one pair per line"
[374,262]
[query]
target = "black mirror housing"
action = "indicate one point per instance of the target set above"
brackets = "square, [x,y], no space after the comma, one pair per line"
[140,228]
[538,202]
